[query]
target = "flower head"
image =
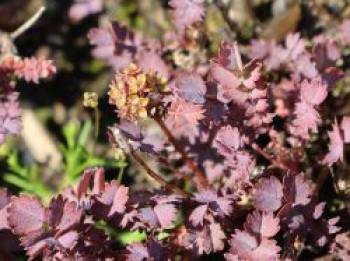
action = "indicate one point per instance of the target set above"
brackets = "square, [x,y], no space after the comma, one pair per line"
[130,91]
[90,100]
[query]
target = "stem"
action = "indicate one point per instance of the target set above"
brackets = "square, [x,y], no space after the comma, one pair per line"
[29,23]
[335,183]
[155,175]
[223,10]
[322,178]
[120,175]
[162,160]
[264,154]
[202,181]
[97,122]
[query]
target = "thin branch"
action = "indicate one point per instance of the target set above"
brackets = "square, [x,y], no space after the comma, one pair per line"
[165,164]
[155,175]
[335,183]
[322,178]
[97,122]
[264,154]
[202,181]
[29,23]
[225,15]
[120,175]
[127,149]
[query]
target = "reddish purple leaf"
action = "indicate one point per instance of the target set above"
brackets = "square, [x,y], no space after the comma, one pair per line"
[191,87]
[233,78]
[108,195]
[313,92]
[115,44]
[84,183]
[306,119]
[211,239]
[120,198]
[341,245]
[154,250]
[219,206]
[305,66]
[336,146]
[345,31]
[229,56]
[10,121]
[243,244]
[68,239]
[55,211]
[197,215]
[166,214]
[187,12]
[71,217]
[268,194]
[345,126]
[152,61]
[99,181]
[26,215]
[162,215]
[137,252]
[262,224]
[83,8]
[4,205]
[157,250]
[228,85]
[296,189]
[36,250]
[184,117]
[148,216]
[247,247]
[325,52]
[228,140]
[295,45]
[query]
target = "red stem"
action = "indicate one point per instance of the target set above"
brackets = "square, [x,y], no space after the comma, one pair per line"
[267,156]
[202,181]
[155,175]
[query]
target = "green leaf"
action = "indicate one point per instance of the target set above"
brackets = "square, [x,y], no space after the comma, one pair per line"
[70,132]
[85,133]
[18,182]
[127,238]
